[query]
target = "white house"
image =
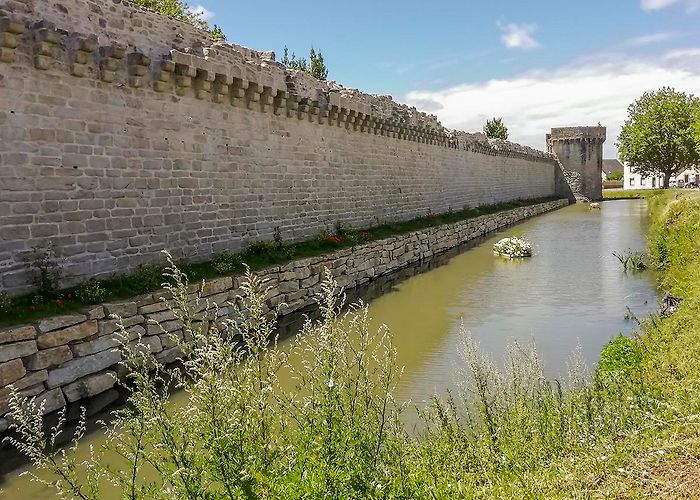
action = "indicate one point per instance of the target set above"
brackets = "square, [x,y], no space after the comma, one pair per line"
[636,181]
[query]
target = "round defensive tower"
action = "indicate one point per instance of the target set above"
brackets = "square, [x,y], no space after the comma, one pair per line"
[580,150]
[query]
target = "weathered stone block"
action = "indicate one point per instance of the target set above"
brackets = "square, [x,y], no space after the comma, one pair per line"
[17,334]
[97,312]
[17,350]
[11,371]
[90,386]
[56,338]
[169,356]
[106,342]
[55,323]
[49,358]
[121,309]
[110,326]
[51,400]
[81,367]
[217,286]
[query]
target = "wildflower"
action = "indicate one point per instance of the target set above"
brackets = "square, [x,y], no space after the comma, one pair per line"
[330,383]
[364,234]
[70,296]
[335,240]
[59,302]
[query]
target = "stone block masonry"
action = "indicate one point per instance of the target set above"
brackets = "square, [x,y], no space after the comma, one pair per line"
[68,358]
[123,133]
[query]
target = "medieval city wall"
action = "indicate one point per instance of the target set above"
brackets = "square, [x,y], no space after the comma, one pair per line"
[123,133]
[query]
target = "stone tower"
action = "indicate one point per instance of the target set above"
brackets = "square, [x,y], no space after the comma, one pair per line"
[580,152]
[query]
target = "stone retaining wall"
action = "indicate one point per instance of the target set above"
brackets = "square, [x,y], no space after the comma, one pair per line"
[64,359]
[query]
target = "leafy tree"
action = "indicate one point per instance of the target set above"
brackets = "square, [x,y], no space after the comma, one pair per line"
[217,34]
[179,9]
[616,175]
[316,66]
[495,129]
[660,135]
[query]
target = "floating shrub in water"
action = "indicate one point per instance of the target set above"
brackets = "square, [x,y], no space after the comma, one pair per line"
[632,261]
[513,247]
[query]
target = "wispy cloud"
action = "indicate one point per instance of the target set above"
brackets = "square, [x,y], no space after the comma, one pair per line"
[203,13]
[576,94]
[650,39]
[690,5]
[518,36]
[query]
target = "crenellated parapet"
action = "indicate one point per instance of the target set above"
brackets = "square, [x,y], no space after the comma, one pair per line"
[234,76]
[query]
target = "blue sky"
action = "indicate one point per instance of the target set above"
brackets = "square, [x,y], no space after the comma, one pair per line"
[538,64]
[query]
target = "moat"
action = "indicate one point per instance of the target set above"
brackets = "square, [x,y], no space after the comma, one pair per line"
[571,294]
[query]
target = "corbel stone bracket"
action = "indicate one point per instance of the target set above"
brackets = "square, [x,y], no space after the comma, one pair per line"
[10,33]
[110,59]
[46,40]
[163,75]
[138,66]
[82,50]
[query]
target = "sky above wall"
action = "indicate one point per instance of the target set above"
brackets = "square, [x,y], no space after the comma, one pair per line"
[538,64]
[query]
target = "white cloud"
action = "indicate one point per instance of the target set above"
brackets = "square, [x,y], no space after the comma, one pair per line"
[581,93]
[690,5]
[204,13]
[518,36]
[650,39]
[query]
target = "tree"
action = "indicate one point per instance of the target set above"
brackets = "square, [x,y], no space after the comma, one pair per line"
[316,68]
[616,175]
[660,135]
[494,129]
[180,10]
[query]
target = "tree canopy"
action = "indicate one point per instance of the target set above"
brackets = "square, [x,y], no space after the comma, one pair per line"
[316,66]
[661,134]
[179,9]
[495,129]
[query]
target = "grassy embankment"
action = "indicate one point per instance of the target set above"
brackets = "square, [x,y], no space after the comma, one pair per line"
[623,194]
[258,255]
[662,458]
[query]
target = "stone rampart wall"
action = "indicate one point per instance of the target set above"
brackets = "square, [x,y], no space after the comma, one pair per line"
[137,134]
[64,359]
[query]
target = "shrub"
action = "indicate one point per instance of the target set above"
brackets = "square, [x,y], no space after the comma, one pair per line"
[513,247]
[91,292]
[631,261]
[227,262]
[46,271]
[620,357]
[6,303]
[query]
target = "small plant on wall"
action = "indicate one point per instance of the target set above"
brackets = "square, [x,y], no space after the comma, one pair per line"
[46,271]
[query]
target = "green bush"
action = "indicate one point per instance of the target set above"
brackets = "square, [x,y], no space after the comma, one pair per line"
[621,356]
[91,292]
[228,262]
[5,303]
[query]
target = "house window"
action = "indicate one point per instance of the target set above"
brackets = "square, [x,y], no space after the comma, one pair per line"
[687,178]
[643,181]
[653,182]
[631,181]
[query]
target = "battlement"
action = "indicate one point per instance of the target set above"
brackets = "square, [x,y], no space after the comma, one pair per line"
[126,45]
[577,133]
